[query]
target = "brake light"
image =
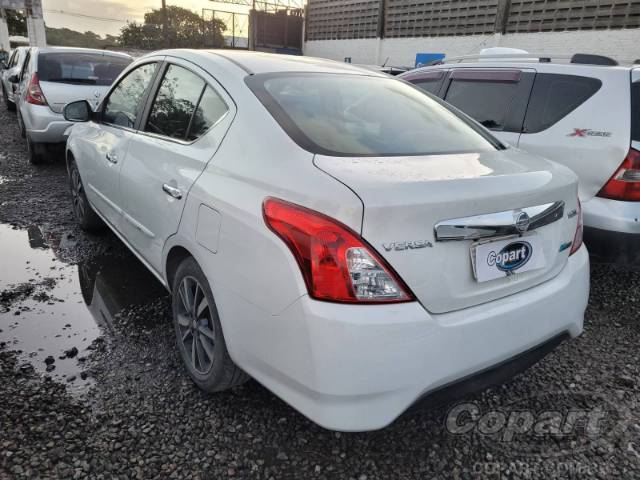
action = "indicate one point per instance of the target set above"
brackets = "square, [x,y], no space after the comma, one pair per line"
[337,265]
[34,92]
[577,238]
[625,183]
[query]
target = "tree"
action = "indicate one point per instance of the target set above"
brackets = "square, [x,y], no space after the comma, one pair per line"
[70,38]
[186,29]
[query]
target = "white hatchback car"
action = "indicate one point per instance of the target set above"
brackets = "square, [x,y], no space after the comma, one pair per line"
[347,241]
[582,111]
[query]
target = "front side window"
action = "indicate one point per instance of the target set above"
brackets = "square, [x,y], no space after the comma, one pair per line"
[80,68]
[126,100]
[359,115]
[555,96]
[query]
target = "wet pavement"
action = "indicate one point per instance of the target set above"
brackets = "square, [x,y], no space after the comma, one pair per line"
[132,412]
[51,312]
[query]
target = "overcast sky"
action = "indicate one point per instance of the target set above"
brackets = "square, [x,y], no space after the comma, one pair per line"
[122,10]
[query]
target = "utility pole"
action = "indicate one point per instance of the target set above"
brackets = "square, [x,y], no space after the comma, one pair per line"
[165,24]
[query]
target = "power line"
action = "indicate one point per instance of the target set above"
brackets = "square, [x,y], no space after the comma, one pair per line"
[82,15]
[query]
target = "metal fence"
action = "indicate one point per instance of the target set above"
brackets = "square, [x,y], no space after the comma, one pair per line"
[341,19]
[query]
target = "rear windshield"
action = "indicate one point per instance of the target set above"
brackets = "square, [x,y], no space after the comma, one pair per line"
[635,111]
[80,68]
[356,115]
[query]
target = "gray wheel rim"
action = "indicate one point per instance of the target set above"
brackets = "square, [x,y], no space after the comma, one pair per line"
[195,325]
[77,191]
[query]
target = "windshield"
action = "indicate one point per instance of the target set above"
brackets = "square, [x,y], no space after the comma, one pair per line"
[357,115]
[80,68]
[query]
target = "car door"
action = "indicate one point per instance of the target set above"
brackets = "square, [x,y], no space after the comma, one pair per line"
[495,97]
[183,126]
[103,146]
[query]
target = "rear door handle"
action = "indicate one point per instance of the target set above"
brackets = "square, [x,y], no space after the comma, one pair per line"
[112,157]
[173,191]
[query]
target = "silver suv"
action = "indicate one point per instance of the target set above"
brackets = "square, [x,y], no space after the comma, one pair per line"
[52,77]
[582,111]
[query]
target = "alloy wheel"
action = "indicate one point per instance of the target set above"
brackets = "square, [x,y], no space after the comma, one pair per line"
[195,325]
[77,190]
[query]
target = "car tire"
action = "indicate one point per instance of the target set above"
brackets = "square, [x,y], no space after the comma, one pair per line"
[33,151]
[23,130]
[86,217]
[7,103]
[199,332]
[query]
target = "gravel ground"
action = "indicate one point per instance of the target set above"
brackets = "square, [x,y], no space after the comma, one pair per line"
[104,394]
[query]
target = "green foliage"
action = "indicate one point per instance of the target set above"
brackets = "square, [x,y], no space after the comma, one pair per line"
[70,38]
[186,29]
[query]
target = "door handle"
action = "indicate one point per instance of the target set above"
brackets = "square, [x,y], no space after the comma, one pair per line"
[112,157]
[173,191]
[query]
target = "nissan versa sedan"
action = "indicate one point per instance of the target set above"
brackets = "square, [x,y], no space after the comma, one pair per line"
[347,241]
[52,77]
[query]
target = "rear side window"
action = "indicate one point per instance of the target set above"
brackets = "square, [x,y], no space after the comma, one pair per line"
[635,111]
[358,115]
[210,111]
[175,103]
[487,98]
[185,106]
[126,99]
[554,97]
[80,68]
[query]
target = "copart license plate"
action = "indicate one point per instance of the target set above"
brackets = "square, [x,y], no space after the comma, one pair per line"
[502,258]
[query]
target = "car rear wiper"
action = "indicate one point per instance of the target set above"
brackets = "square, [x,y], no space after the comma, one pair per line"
[89,81]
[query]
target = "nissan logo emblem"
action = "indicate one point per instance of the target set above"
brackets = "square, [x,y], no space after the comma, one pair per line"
[522,222]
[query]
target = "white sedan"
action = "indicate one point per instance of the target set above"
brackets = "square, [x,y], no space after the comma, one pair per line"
[347,241]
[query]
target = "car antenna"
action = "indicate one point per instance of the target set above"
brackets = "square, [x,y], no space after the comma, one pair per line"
[385,62]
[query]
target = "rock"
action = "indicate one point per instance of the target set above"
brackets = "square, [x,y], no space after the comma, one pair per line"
[71,353]
[49,360]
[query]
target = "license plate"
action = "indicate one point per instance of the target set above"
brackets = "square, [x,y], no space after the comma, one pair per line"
[502,258]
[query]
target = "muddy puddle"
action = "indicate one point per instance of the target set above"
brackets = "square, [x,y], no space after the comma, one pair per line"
[51,311]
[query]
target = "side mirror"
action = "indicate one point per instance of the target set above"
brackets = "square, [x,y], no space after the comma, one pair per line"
[79,111]
[14,79]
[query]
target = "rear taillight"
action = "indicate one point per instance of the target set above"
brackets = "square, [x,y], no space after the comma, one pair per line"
[34,92]
[337,265]
[625,183]
[577,238]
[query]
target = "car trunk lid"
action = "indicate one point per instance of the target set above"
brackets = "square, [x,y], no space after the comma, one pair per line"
[59,94]
[406,198]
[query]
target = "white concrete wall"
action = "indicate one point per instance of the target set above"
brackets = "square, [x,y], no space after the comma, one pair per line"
[4,34]
[620,44]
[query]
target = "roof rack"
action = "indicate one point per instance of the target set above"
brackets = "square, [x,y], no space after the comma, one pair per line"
[578,58]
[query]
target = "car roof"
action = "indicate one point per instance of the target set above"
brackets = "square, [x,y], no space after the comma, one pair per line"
[83,50]
[260,62]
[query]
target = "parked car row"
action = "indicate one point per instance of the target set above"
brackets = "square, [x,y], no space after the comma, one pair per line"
[39,82]
[351,243]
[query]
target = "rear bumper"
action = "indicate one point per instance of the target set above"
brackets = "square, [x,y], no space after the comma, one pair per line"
[612,230]
[613,247]
[356,368]
[612,215]
[45,126]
